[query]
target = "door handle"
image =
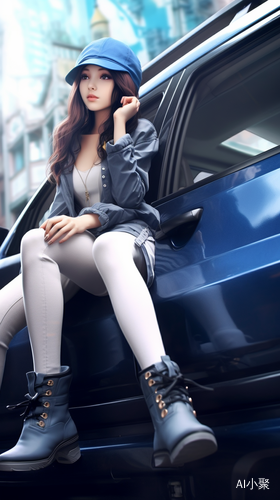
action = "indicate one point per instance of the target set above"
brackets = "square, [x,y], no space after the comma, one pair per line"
[188,218]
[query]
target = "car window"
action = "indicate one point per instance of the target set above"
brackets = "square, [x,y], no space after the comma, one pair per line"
[32,216]
[235,114]
[151,110]
[150,106]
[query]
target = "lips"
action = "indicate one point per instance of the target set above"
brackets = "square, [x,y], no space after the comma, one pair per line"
[92,97]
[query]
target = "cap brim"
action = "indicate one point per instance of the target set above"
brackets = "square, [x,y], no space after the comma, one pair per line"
[103,63]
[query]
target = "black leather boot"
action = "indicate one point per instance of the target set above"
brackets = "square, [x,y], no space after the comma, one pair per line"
[179,437]
[49,432]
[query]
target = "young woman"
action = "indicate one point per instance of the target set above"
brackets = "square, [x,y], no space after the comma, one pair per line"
[99,237]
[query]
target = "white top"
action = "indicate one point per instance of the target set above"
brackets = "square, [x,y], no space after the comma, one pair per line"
[92,184]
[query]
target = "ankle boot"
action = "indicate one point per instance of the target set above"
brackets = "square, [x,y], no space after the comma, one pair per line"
[179,437]
[49,432]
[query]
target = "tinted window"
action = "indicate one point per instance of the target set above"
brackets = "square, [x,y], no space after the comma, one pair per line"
[235,114]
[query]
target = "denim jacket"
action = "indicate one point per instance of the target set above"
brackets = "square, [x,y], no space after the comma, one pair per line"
[125,181]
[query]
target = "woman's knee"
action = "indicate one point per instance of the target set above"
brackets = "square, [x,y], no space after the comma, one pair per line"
[31,244]
[101,249]
[116,250]
[12,315]
[31,239]
[112,246]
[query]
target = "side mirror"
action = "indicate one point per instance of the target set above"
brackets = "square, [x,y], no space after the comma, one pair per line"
[3,233]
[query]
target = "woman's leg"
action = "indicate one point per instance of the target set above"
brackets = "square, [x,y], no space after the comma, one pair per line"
[121,263]
[12,317]
[118,258]
[43,295]
[179,437]
[49,432]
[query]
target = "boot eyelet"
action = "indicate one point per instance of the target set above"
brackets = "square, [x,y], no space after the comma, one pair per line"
[46,404]
[161,405]
[151,382]
[147,375]
[164,413]
[48,393]
[194,412]
[158,398]
[41,423]
[190,400]
[44,415]
[187,387]
[50,383]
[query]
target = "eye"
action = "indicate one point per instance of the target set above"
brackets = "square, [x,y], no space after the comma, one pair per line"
[106,76]
[84,76]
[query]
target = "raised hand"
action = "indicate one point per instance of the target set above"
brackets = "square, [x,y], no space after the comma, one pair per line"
[130,106]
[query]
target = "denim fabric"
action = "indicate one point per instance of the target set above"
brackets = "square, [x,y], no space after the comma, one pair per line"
[125,181]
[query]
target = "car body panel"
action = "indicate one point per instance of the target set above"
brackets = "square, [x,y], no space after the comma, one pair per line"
[217,273]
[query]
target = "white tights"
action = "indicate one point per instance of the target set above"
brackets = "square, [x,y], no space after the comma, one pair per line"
[52,274]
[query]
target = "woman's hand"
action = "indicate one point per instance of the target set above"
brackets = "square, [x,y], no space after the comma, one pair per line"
[130,106]
[63,227]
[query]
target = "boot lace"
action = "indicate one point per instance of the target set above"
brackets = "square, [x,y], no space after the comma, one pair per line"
[171,388]
[34,407]
[30,404]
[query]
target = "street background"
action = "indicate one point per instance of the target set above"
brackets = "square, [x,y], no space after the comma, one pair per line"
[40,41]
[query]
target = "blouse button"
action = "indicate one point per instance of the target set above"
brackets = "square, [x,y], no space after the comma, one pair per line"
[103,176]
[104,185]
[103,168]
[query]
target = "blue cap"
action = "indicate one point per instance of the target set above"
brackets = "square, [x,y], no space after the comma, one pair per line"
[110,54]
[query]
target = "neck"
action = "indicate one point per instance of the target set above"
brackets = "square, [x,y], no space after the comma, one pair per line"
[100,118]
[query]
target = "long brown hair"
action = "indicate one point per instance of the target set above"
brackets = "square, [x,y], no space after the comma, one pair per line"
[67,135]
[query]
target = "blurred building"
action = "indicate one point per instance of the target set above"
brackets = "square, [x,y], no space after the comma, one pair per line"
[39,43]
[35,93]
[28,133]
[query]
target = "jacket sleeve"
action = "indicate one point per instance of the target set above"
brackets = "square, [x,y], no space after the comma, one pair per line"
[109,215]
[129,161]
[58,206]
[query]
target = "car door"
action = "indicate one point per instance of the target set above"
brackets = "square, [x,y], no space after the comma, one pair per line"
[217,263]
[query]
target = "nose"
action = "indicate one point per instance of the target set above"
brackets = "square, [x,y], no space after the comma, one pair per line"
[91,83]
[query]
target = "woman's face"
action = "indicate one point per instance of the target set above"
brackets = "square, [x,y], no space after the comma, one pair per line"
[96,87]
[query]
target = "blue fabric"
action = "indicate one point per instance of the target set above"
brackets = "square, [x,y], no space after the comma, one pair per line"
[110,54]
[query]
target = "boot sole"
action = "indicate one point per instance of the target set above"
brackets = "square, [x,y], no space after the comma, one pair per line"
[193,447]
[66,452]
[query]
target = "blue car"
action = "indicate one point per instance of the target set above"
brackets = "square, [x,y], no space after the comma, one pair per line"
[214,99]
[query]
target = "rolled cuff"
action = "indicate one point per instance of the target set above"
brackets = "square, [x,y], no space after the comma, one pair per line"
[121,143]
[102,216]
